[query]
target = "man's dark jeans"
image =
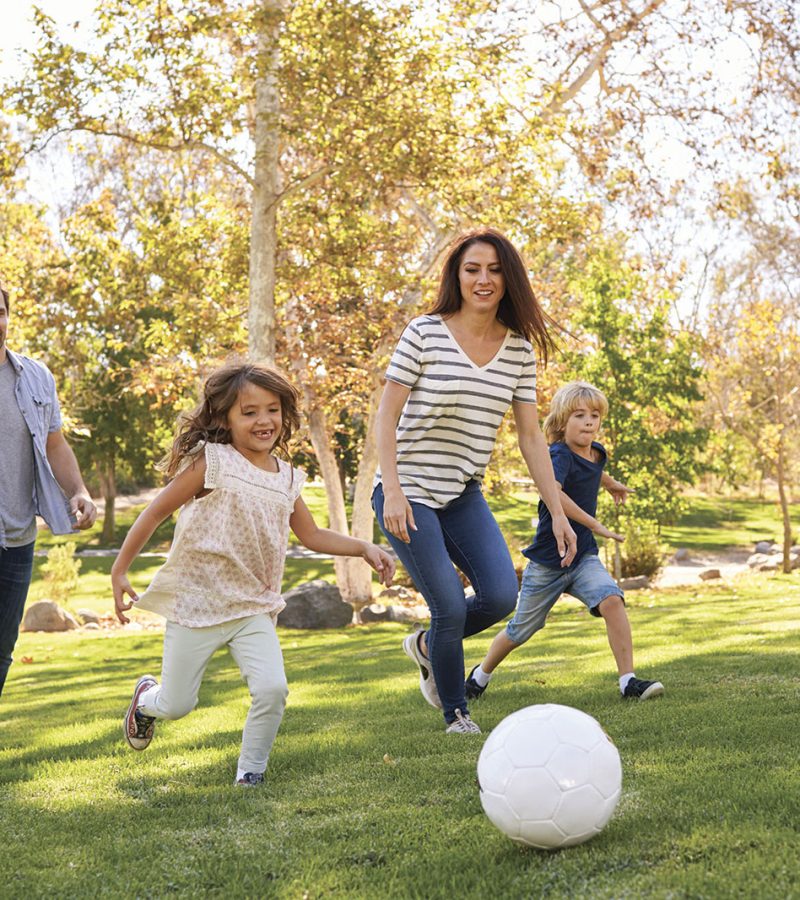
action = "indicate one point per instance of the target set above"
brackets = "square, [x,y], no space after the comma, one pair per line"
[16,565]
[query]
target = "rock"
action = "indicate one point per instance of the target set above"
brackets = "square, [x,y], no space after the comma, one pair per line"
[88,616]
[757,559]
[681,555]
[773,565]
[764,547]
[637,583]
[794,559]
[47,615]
[91,626]
[409,614]
[709,574]
[376,612]
[315,604]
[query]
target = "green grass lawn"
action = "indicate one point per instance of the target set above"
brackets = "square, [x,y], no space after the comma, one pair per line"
[367,797]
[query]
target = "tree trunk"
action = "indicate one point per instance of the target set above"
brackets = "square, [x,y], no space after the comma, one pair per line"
[108,487]
[263,232]
[784,500]
[353,576]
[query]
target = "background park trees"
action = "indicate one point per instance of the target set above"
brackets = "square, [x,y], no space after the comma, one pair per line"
[281,178]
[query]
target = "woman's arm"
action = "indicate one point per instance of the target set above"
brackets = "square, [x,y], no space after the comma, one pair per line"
[180,490]
[397,514]
[323,540]
[534,451]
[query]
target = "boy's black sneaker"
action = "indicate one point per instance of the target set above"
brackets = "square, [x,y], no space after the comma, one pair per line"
[251,779]
[637,689]
[472,689]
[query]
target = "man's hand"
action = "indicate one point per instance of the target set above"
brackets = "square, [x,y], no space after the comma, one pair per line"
[83,510]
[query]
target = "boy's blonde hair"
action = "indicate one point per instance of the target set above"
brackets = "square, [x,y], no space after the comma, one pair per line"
[565,401]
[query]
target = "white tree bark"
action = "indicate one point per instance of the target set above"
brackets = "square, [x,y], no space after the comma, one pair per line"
[266,188]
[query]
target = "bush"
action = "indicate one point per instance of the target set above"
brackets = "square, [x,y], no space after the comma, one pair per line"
[641,553]
[61,572]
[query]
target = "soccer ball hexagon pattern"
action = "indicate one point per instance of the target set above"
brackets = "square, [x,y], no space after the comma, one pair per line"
[549,776]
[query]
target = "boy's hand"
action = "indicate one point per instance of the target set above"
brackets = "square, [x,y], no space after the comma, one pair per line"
[565,539]
[381,562]
[619,492]
[122,586]
[602,531]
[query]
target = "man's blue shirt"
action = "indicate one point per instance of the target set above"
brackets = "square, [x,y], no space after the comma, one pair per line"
[35,391]
[580,480]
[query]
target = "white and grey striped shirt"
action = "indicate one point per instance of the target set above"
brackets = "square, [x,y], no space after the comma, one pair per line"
[449,424]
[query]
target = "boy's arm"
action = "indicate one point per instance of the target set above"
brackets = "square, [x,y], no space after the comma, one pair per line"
[617,490]
[323,540]
[580,516]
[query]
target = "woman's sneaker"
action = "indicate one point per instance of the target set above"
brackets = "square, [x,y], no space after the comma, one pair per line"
[462,724]
[472,689]
[637,689]
[426,683]
[138,727]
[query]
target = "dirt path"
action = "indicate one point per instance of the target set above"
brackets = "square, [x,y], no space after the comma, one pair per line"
[731,562]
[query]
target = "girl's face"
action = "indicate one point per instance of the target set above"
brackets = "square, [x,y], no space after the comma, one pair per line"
[481,278]
[581,428]
[255,422]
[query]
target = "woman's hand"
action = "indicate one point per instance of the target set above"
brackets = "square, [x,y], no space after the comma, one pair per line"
[121,586]
[398,517]
[565,539]
[380,561]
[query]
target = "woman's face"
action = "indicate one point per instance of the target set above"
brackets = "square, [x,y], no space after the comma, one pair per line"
[481,278]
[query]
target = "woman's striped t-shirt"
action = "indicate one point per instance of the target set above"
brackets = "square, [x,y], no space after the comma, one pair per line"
[448,426]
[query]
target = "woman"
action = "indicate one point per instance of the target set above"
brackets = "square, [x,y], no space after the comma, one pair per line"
[449,383]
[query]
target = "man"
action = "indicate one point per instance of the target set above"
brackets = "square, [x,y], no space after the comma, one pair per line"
[38,472]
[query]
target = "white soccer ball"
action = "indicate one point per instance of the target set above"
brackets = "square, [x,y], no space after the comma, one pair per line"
[549,776]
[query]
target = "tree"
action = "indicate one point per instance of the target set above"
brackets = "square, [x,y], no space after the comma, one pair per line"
[652,376]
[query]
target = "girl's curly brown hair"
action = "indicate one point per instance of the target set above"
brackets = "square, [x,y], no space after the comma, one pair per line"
[208,422]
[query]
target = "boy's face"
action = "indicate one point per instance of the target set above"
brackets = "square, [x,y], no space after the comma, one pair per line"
[581,428]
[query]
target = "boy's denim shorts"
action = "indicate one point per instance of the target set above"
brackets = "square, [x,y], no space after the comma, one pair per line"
[589,581]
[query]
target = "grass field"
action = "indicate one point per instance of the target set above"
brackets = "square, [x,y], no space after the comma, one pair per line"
[366,796]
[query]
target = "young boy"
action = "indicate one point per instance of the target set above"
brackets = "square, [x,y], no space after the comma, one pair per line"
[578,460]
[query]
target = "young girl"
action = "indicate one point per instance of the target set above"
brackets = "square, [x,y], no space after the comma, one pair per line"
[221,582]
[449,383]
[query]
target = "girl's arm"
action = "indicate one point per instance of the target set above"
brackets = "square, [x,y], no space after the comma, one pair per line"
[180,490]
[534,451]
[397,514]
[323,540]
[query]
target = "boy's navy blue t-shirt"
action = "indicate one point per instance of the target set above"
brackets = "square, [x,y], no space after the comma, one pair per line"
[580,480]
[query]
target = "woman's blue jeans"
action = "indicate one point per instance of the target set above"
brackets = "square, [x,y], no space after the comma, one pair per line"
[466,534]
[16,565]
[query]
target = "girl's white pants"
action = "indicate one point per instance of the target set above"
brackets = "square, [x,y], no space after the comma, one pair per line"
[254,645]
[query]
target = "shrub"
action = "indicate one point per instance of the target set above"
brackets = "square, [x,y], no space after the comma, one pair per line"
[641,553]
[61,572]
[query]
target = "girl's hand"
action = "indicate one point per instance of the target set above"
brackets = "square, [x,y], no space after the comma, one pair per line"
[381,562]
[565,539]
[121,587]
[604,532]
[398,516]
[619,492]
